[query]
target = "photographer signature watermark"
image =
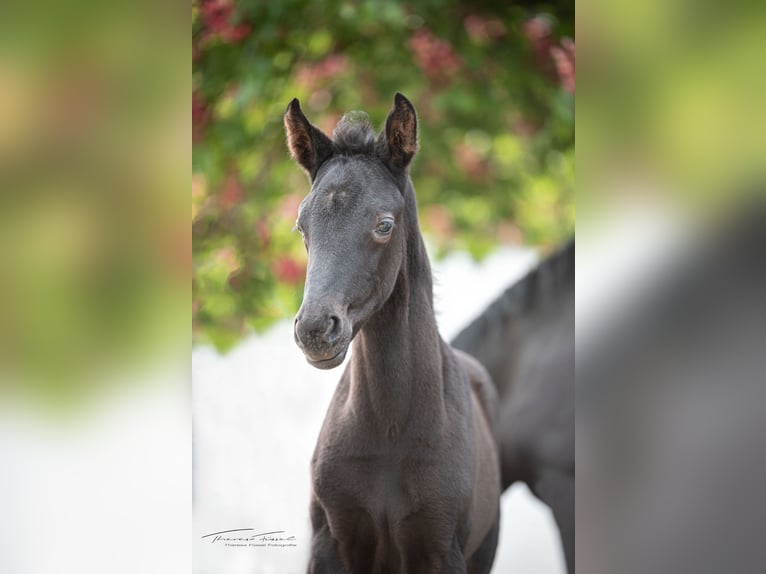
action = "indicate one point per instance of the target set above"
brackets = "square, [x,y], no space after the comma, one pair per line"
[237,538]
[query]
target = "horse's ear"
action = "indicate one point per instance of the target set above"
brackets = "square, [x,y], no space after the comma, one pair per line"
[401,133]
[308,145]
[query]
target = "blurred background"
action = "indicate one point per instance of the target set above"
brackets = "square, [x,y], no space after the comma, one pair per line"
[94,161]
[670,286]
[95,257]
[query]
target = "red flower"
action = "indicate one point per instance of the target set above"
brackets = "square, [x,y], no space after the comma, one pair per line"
[200,117]
[434,56]
[264,233]
[564,57]
[311,75]
[235,34]
[231,192]
[481,29]
[288,270]
[217,16]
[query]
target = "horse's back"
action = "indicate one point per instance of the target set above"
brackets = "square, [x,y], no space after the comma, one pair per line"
[525,339]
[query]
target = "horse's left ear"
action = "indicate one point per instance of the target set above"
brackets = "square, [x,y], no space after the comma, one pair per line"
[401,133]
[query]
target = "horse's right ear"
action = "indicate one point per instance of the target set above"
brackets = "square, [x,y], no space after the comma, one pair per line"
[307,144]
[400,136]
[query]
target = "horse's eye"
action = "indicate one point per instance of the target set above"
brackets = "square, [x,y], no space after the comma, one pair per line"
[384,227]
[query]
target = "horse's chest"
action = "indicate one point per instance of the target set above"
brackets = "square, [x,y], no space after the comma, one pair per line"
[377,484]
[386,506]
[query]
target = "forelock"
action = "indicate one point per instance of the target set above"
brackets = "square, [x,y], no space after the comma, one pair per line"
[354,134]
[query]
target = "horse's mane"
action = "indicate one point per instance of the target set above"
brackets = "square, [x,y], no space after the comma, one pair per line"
[542,286]
[354,134]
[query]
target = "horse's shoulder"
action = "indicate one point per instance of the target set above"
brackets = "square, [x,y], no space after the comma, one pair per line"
[472,367]
[482,387]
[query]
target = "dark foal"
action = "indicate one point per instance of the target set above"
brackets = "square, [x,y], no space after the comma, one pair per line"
[405,472]
[526,339]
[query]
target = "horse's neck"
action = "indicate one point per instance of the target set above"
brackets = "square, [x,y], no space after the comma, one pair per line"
[396,367]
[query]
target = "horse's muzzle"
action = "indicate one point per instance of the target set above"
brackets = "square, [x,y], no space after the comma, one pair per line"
[323,337]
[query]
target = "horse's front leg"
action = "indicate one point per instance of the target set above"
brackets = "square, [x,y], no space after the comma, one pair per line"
[455,560]
[557,490]
[432,543]
[324,558]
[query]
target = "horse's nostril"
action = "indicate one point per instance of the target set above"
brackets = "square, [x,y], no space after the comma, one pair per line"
[333,328]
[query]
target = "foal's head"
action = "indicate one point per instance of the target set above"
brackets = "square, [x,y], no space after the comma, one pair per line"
[353,223]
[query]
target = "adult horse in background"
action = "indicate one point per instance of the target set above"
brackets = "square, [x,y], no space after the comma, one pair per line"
[405,472]
[525,339]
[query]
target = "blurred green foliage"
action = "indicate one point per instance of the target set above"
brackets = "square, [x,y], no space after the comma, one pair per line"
[671,104]
[496,160]
[94,173]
